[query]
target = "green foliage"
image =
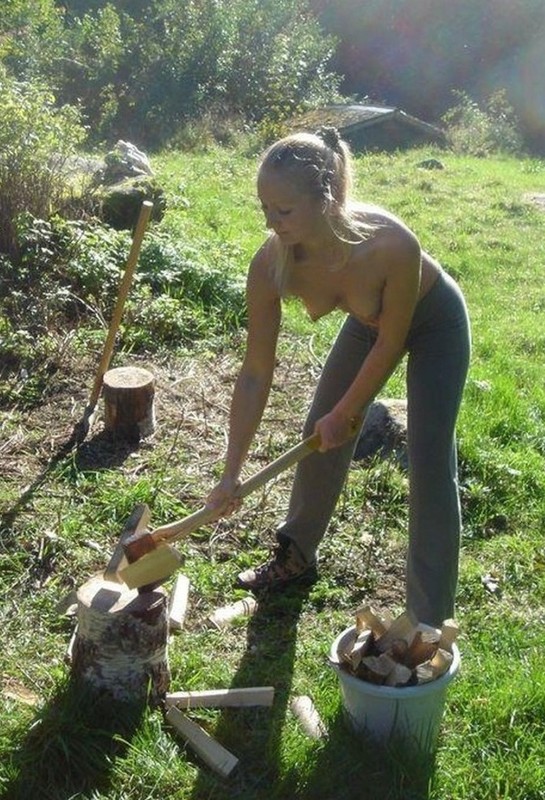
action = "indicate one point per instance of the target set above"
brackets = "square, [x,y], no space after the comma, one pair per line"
[31,37]
[184,298]
[145,73]
[477,131]
[69,273]
[36,139]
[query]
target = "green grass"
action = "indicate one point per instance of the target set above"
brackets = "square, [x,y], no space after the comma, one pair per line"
[475,218]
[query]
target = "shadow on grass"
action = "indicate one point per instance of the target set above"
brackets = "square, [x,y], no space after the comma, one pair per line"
[99,452]
[344,766]
[70,746]
[254,734]
[349,766]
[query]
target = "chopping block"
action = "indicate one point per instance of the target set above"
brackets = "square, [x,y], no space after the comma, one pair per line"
[129,411]
[119,646]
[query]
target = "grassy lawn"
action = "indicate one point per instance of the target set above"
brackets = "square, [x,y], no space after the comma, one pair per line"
[62,516]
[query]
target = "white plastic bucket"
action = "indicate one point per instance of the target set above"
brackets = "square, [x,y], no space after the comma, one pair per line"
[412,714]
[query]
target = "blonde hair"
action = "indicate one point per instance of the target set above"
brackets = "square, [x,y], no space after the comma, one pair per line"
[318,164]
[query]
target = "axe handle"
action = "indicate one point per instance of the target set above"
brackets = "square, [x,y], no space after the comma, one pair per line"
[175,530]
[123,291]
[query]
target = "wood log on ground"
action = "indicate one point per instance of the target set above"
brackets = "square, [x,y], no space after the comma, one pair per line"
[222,698]
[120,646]
[226,615]
[129,411]
[207,748]
[305,711]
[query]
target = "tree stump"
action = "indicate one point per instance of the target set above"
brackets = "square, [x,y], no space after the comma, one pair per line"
[128,402]
[120,643]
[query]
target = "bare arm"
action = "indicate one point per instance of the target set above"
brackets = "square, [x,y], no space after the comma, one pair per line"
[399,299]
[254,380]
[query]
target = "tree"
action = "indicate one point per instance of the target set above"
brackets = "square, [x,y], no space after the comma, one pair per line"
[30,36]
[142,70]
[36,137]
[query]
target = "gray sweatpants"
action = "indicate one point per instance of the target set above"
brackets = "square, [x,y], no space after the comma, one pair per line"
[438,347]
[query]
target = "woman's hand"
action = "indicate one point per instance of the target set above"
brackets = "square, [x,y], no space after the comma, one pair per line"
[334,430]
[222,500]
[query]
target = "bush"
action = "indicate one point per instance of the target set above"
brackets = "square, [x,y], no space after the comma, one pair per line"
[69,272]
[476,131]
[36,139]
[147,72]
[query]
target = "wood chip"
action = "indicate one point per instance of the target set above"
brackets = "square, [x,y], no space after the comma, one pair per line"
[178,603]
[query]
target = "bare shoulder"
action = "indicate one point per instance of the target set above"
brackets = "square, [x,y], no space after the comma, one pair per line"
[261,275]
[391,241]
[387,227]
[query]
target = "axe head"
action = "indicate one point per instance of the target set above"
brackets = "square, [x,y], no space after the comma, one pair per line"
[138,544]
[152,568]
[133,528]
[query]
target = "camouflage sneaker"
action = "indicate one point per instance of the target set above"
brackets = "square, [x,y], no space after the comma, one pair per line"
[286,566]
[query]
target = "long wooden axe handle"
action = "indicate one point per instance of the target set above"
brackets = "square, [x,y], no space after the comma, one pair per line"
[175,530]
[123,291]
[145,541]
[152,560]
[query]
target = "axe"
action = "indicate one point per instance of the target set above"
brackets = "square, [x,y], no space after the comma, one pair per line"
[151,557]
[84,426]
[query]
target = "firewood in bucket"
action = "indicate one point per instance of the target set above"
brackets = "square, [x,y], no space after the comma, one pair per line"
[399,652]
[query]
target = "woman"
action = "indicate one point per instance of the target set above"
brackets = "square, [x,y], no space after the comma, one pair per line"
[334,253]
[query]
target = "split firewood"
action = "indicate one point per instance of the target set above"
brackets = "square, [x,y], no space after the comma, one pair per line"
[399,676]
[222,698]
[424,645]
[398,651]
[359,649]
[402,628]
[178,603]
[224,616]
[449,634]
[367,617]
[205,746]
[304,710]
[435,667]
[376,669]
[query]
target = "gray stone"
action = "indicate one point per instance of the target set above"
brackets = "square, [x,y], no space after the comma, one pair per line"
[384,432]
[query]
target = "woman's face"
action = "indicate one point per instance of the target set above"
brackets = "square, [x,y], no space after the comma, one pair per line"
[293,215]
